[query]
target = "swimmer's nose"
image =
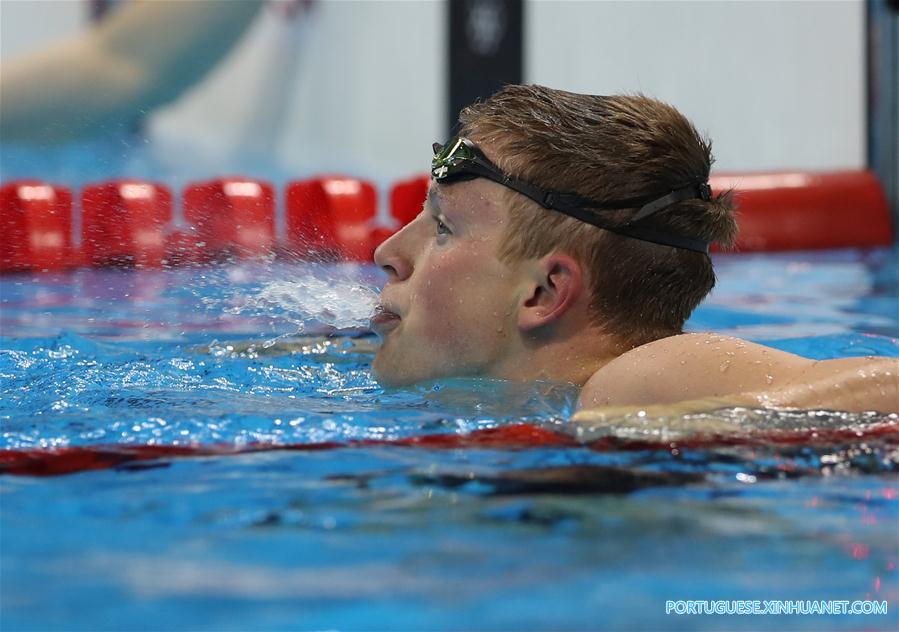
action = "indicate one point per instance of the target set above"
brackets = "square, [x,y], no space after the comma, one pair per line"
[388,256]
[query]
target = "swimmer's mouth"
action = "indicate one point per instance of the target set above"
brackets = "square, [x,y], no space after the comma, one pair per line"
[384,320]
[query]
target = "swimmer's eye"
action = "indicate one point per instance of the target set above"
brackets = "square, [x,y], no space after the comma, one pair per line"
[442,229]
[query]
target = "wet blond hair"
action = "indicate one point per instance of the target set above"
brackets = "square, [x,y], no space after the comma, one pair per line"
[607,148]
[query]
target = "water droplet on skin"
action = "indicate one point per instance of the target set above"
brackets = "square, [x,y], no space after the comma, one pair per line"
[769,379]
[724,366]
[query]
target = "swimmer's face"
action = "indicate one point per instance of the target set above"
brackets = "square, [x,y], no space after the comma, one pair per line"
[455,303]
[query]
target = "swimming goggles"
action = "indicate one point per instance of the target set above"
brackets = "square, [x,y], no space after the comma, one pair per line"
[460,159]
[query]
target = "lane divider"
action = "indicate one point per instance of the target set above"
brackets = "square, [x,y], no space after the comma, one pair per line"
[808,211]
[521,436]
[331,218]
[124,223]
[407,198]
[35,227]
[129,222]
[230,217]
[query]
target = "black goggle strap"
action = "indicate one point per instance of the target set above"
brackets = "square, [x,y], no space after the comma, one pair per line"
[643,233]
[650,205]
[455,165]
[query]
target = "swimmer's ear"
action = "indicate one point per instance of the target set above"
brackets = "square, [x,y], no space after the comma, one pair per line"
[557,282]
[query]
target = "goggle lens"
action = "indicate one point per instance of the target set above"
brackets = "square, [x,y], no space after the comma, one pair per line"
[449,156]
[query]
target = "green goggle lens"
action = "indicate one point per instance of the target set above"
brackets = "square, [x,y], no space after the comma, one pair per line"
[449,156]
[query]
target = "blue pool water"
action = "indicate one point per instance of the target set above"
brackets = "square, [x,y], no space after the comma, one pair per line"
[371,531]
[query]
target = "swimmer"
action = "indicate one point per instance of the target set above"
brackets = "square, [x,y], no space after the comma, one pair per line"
[565,238]
[144,55]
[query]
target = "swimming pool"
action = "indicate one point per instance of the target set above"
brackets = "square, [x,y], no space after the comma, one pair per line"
[458,504]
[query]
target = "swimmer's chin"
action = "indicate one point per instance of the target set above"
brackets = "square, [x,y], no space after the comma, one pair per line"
[387,375]
[398,374]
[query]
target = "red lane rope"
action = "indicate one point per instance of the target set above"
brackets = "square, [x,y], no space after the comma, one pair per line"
[129,222]
[70,460]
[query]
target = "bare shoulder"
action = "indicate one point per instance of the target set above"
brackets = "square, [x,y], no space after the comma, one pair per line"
[689,366]
[709,366]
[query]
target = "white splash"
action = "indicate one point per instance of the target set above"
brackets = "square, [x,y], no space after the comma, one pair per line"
[340,303]
[338,296]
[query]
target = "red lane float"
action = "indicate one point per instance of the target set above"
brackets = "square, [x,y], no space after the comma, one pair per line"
[231,216]
[124,223]
[407,198]
[808,211]
[776,211]
[331,217]
[522,436]
[36,227]
[184,248]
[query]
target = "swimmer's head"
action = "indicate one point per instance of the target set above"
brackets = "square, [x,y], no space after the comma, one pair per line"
[608,148]
[476,259]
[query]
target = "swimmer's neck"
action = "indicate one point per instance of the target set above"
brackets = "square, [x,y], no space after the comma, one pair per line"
[572,359]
